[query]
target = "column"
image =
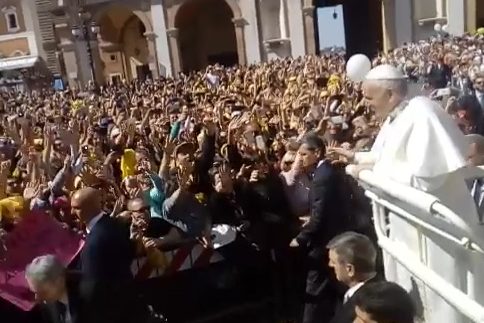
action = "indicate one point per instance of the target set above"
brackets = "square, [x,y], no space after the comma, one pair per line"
[161,41]
[388,24]
[175,54]
[239,24]
[471,21]
[456,17]
[153,57]
[440,8]
[282,19]
[308,14]
[404,32]
[97,62]
[252,34]
[70,62]
[296,28]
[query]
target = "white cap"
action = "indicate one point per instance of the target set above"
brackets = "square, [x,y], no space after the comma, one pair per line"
[385,72]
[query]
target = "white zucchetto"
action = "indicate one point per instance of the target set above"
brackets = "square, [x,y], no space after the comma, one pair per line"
[385,72]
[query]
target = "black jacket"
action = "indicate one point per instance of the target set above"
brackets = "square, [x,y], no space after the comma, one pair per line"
[107,287]
[346,312]
[52,312]
[328,218]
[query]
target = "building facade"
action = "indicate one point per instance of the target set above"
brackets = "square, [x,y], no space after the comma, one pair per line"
[21,51]
[112,40]
[139,38]
[411,20]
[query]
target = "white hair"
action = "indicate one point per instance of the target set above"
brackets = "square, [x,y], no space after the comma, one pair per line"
[400,86]
[45,268]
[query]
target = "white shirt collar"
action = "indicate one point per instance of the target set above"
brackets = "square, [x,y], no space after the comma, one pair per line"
[322,161]
[351,291]
[93,222]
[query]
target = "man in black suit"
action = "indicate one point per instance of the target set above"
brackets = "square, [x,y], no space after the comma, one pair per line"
[352,257]
[107,285]
[56,289]
[382,302]
[327,219]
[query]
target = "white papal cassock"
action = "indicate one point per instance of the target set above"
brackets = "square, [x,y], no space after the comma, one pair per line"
[424,148]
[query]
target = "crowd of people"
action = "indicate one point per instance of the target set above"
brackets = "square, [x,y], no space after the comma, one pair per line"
[143,167]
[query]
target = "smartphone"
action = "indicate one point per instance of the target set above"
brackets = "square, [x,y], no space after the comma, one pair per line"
[336,120]
[260,143]
[249,136]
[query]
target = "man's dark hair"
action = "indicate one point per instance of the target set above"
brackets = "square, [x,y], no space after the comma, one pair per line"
[386,302]
[355,249]
[314,143]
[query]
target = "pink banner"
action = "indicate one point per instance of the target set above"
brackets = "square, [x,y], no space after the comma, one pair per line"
[36,235]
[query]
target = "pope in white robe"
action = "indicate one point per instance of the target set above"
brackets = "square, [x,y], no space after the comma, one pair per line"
[422,147]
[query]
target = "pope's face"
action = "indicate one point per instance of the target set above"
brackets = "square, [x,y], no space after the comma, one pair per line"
[377,98]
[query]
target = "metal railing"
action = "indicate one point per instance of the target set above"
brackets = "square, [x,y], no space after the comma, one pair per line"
[387,195]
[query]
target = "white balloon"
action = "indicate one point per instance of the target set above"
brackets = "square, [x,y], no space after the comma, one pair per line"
[445,27]
[357,67]
[438,27]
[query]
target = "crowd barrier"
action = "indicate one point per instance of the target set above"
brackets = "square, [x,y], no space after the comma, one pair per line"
[416,207]
[184,258]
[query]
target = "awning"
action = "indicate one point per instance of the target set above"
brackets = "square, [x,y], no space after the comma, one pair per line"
[15,63]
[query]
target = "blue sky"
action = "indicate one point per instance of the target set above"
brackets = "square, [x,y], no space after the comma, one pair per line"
[331,31]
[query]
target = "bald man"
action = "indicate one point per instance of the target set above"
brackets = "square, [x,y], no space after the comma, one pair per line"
[105,262]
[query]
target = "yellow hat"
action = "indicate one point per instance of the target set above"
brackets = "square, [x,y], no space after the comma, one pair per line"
[11,207]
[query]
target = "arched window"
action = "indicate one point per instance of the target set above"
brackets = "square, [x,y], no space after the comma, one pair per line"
[11,19]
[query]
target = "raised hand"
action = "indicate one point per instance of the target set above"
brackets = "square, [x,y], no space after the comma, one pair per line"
[184,177]
[169,146]
[335,149]
[31,191]
[134,192]
[118,206]
[210,126]
[5,167]
[242,171]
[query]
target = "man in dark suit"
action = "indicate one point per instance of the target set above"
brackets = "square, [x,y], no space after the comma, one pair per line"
[56,289]
[107,286]
[327,218]
[382,302]
[439,74]
[352,257]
